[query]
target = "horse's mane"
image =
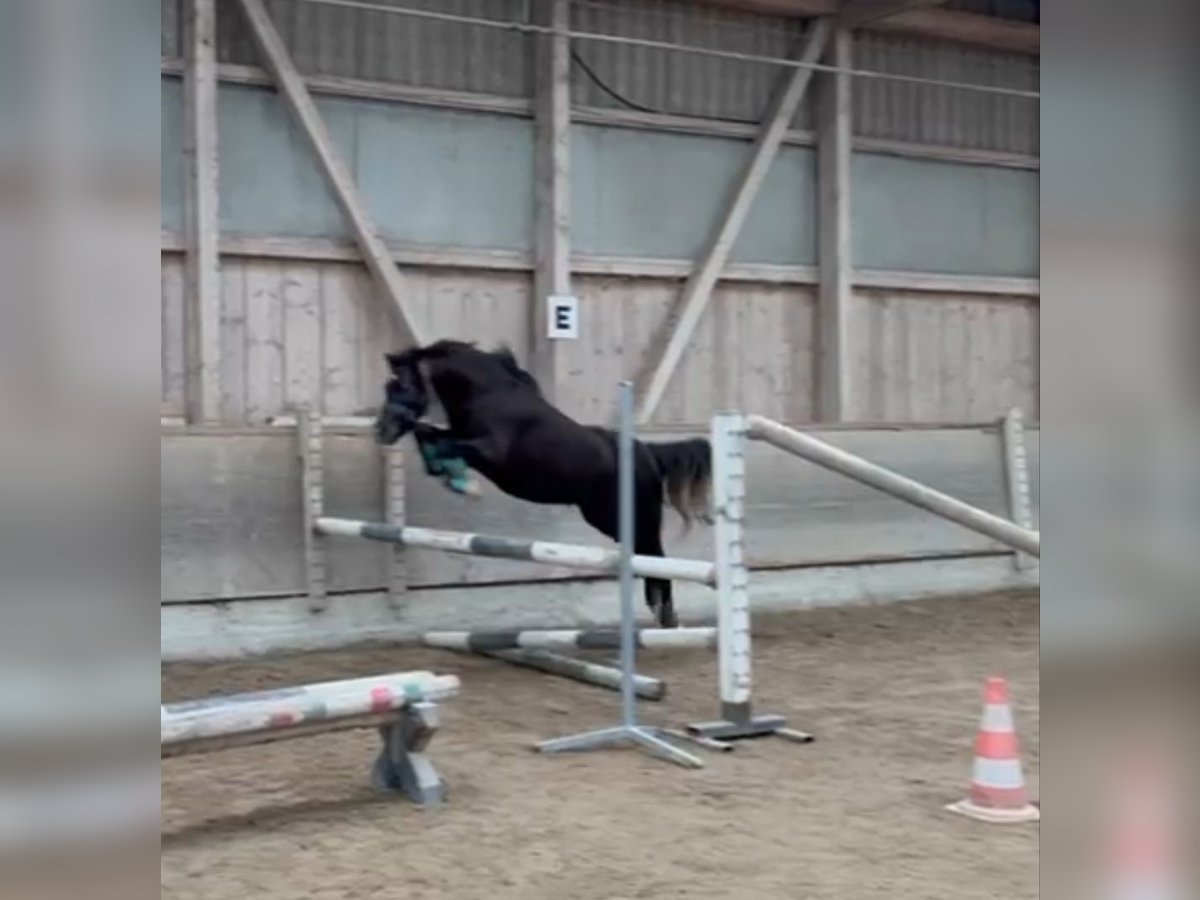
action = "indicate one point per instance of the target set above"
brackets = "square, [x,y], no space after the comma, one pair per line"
[509,360]
[446,347]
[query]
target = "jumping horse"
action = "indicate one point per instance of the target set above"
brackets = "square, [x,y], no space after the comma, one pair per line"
[500,425]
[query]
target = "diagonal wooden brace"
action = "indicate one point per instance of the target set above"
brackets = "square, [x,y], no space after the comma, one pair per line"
[698,290]
[291,85]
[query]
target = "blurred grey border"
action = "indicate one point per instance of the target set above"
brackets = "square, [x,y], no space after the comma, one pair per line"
[79,174]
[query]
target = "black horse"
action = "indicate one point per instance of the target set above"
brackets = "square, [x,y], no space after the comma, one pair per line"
[501,425]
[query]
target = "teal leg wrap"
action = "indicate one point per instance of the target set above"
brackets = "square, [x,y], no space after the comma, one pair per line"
[453,470]
[433,462]
[457,475]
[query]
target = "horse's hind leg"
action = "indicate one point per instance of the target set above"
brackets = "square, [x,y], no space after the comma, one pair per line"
[602,516]
[648,542]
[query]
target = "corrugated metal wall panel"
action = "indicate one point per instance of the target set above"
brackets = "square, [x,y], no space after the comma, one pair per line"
[426,53]
[647,193]
[930,114]
[170,173]
[925,216]
[380,46]
[430,175]
[681,83]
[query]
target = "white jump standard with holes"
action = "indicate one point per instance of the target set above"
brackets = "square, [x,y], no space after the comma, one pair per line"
[737,717]
[402,706]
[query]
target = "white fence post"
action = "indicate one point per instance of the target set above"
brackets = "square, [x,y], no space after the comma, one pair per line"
[310,437]
[1016,478]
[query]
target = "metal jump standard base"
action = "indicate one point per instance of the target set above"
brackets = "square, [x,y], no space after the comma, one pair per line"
[629,732]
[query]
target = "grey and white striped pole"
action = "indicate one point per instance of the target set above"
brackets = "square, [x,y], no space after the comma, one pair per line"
[607,677]
[572,556]
[628,731]
[579,639]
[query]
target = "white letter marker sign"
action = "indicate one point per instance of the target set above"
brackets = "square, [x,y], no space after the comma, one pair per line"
[564,318]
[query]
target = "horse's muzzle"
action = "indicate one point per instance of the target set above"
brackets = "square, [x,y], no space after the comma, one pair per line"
[391,425]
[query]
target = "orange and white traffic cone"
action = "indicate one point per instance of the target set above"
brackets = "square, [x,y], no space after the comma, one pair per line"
[997,791]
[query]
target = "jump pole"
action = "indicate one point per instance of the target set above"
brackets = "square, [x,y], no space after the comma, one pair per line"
[581,670]
[531,649]
[570,556]
[580,639]
[830,457]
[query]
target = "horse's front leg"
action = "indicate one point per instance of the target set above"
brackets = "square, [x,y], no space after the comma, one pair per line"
[448,458]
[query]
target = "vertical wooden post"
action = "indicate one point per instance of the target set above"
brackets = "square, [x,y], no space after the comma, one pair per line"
[312,503]
[833,233]
[202,291]
[394,500]
[707,268]
[552,207]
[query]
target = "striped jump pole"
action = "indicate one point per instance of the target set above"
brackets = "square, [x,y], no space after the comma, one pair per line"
[580,639]
[402,706]
[581,670]
[571,556]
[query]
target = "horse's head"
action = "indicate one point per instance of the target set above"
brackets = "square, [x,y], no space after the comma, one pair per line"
[456,371]
[405,398]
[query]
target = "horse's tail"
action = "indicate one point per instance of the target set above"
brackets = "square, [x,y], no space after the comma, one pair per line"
[686,471]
